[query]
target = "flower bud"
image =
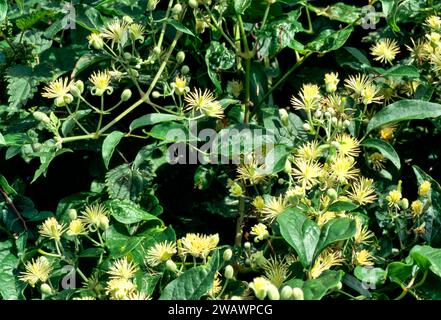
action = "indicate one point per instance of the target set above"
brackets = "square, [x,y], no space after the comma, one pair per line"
[229,272]
[332,193]
[177,9]
[45,289]
[72,213]
[185,69]
[334,120]
[318,114]
[180,57]
[346,123]
[126,95]
[157,50]
[42,117]
[68,99]
[127,56]
[335,144]
[151,5]
[404,203]
[104,222]
[297,294]
[284,117]
[287,169]
[80,85]
[339,285]
[273,292]
[95,41]
[171,266]
[156,94]
[286,293]
[75,91]
[193,4]
[228,254]
[306,127]
[327,114]
[247,246]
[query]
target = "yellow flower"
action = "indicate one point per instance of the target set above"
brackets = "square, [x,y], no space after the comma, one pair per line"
[325,217]
[161,252]
[348,146]
[101,83]
[307,172]
[424,188]
[235,88]
[198,101]
[95,41]
[214,110]
[357,83]
[84,298]
[258,203]
[331,82]
[135,295]
[309,98]
[394,198]
[136,32]
[115,31]
[343,169]
[197,245]
[260,286]
[433,22]
[377,160]
[120,288]
[385,50]
[260,231]
[52,229]
[417,208]
[418,50]
[309,151]
[76,228]
[94,217]
[362,192]
[325,261]
[363,258]
[36,270]
[252,172]
[122,269]
[180,85]
[435,61]
[420,230]
[276,271]
[362,234]
[273,208]
[216,287]
[59,90]
[370,94]
[387,133]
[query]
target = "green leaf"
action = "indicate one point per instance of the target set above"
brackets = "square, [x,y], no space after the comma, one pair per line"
[432,215]
[427,258]
[402,71]
[6,186]
[170,132]
[218,57]
[180,27]
[385,149]
[2,140]
[152,118]
[343,13]
[191,285]
[128,181]
[404,110]
[399,272]
[342,206]
[127,212]
[109,146]
[372,276]
[3,10]
[358,55]
[301,233]
[335,230]
[316,289]
[241,5]
[120,244]
[329,40]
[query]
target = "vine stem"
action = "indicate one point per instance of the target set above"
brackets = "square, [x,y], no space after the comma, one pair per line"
[248,55]
[11,204]
[240,219]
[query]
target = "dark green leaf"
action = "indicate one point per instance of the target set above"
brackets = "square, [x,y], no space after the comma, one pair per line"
[128,212]
[109,145]
[386,150]
[152,118]
[342,206]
